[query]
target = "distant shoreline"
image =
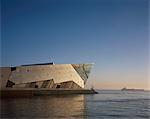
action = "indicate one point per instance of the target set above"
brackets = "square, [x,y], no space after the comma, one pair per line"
[131,89]
[124,90]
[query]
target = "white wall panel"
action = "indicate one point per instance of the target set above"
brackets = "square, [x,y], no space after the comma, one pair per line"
[59,73]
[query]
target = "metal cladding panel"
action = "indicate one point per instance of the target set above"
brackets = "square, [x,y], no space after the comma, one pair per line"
[59,73]
[5,73]
[83,70]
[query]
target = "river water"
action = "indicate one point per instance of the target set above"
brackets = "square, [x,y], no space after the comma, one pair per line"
[108,104]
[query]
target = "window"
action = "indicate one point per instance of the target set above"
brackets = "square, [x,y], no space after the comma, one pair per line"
[58,86]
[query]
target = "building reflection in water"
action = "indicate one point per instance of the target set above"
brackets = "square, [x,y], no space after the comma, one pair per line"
[63,106]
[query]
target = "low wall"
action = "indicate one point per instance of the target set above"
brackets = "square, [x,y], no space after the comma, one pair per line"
[42,92]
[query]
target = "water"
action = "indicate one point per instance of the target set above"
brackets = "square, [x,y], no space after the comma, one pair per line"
[105,105]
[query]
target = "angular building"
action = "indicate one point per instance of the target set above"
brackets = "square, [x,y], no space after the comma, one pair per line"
[47,75]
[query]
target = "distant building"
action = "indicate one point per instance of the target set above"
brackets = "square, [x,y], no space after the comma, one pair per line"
[47,75]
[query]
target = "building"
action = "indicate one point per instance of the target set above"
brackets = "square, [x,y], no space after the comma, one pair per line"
[47,75]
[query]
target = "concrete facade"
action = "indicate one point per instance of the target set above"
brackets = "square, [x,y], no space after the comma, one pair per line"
[46,76]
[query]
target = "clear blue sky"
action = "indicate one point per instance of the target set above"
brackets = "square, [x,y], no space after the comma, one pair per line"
[111,33]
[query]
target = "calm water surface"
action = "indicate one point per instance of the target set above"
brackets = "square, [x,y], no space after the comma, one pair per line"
[105,105]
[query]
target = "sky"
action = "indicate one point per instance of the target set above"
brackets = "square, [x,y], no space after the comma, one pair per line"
[112,34]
